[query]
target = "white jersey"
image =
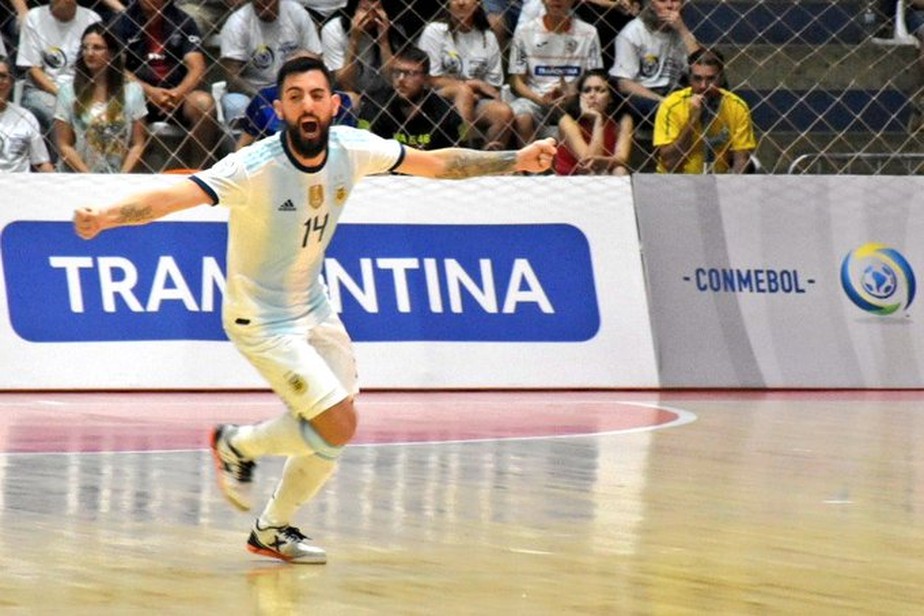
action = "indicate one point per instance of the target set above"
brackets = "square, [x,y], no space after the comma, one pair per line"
[463,55]
[21,142]
[546,58]
[52,45]
[282,218]
[654,59]
[265,46]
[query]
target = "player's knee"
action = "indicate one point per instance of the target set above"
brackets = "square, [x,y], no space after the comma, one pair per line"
[336,425]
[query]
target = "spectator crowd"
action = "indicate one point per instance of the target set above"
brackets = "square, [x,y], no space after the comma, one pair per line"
[99,79]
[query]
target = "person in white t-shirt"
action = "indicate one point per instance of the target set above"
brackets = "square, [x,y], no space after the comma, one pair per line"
[22,147]
[547,56]
[255,42]
[49,43]
[651,56]
[465,67]
[285,196]
[99,120]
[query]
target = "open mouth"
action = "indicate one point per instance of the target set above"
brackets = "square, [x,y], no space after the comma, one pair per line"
[310,127]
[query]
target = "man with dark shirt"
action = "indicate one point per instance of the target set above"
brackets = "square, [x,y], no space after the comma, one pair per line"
[163,50]
[413,113]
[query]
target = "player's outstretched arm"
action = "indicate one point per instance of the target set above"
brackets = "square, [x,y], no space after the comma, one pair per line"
[459,163]
[138,209]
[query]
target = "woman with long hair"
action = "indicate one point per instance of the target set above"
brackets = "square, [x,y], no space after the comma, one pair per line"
[465,67]
[593,139]
[99,118]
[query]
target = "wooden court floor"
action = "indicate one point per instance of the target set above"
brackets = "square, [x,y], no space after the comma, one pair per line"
[597,502]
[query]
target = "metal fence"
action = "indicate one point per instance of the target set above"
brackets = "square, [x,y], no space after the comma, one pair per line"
[834,86]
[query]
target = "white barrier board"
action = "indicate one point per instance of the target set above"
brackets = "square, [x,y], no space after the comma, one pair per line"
[484,283]
[785,281]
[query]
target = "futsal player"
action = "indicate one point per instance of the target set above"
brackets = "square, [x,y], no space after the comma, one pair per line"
[285,195]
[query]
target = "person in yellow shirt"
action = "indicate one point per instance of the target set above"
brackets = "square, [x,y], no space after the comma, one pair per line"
[704,128]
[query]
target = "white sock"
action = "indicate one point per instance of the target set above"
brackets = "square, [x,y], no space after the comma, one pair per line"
[302,477]
[280,436]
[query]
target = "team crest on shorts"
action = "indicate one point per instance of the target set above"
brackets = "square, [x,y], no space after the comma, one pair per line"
[297,383]
[315,196]
[340,195]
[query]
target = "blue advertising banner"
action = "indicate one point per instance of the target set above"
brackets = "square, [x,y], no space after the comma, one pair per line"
[392,282]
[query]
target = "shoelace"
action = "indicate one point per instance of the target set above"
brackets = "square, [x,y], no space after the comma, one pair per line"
[292,533]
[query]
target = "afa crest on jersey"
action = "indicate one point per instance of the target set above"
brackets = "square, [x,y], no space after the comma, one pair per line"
[315,196]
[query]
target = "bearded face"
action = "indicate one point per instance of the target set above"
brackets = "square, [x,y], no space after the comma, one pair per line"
[307,107]
[308,135]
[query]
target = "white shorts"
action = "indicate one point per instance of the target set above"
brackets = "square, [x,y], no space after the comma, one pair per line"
[310,374]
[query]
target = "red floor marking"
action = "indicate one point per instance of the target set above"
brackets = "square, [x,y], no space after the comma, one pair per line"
[82,422]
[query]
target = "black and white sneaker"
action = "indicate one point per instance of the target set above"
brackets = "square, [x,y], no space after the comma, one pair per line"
[285,543]
[234,472]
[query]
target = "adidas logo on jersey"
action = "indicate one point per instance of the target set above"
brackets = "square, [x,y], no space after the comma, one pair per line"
[288,206]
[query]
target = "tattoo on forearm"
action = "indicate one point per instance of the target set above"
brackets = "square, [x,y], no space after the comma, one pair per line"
[468,163]
[133,213]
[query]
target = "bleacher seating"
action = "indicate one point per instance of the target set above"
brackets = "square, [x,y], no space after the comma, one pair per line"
[813,22]
[815,79]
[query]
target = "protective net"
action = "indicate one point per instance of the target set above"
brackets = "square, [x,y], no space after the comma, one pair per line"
[833,86]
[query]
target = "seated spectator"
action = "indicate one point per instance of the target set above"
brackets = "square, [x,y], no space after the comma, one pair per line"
[99,121]
[547,56]
[49,43]
[607,16]
[358,46]
[163,51]
[260,120]
[651,56]
[255,42]
[412,113]
[591,138]
[465,67]
[22,147]
[704,128]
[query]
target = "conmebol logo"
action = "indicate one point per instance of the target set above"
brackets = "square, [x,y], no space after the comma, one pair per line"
[878,279]
[391,282]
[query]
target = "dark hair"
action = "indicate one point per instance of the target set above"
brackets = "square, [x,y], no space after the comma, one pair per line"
[415,55]
[396,35]
[479,19]
[707,57]
[574,109]
[303,64]
[114,75]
